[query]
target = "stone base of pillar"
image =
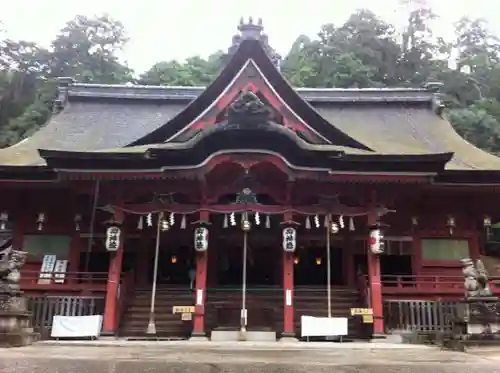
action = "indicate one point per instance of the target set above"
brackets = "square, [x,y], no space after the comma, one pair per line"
[107,333]
[288,337]
[198,337]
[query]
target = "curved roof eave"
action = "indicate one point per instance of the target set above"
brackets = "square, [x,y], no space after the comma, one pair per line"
[250,50]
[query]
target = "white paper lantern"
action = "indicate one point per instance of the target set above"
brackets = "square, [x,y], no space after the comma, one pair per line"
[201,239]
[289,239]
[375,242]
[113,238]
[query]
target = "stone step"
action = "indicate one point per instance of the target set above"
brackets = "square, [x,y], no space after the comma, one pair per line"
[311,303]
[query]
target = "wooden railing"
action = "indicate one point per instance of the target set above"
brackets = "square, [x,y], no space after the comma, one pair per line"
[419,316]
[429,284]
[68,281]
[72,281]
[44,308]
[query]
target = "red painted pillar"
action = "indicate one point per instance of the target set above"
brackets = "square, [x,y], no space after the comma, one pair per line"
[110,323]
[200,294]
[288,288]
[200,290]
[375,285]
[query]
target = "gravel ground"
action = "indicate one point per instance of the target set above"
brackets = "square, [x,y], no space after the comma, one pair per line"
[236,358]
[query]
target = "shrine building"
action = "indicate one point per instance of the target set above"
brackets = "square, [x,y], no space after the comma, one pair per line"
[247,203]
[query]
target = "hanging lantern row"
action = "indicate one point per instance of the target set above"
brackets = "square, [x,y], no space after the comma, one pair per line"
[230,220]
[451,223]
[246,225]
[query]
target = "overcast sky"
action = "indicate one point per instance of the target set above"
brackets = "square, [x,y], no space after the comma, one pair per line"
[175,29]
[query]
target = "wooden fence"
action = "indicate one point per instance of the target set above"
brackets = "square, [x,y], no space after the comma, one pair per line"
[43,308]
[420,316]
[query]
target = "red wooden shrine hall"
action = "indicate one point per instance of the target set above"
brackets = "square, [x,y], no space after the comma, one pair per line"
[248,203]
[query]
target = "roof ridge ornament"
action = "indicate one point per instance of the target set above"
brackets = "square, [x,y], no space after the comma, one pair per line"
[249,30]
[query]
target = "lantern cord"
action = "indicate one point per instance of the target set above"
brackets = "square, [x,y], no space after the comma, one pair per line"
[329,266]
[91,225]
[151,324]
[244,285]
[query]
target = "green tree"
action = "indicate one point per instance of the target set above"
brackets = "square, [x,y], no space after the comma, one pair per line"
[365,51]
[195,71]
[86,49]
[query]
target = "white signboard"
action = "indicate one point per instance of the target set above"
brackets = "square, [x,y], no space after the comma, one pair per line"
[76,326]
[323,326]
[47,268]
[60,271]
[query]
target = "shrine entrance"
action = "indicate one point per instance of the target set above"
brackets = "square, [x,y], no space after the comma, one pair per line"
[174,266]
[248,278]
[310,265]
[262,261]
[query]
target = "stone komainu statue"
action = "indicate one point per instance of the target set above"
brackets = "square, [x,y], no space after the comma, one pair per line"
[476,282]
[10,275]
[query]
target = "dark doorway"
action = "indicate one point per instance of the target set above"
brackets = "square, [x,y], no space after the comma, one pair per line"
[310,265]
[174,266]
[390,265]
[262,266]
[395,265]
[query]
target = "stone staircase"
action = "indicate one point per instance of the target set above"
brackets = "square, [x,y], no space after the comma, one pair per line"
[135,318]
[264,308]
[222,310]
[314,302]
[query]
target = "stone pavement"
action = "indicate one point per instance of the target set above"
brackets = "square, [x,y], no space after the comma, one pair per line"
[187,357]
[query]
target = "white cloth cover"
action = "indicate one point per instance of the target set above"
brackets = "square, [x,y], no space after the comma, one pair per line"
[76,326]
[323,326]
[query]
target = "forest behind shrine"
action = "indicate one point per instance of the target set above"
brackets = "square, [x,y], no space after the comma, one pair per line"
[365,51]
